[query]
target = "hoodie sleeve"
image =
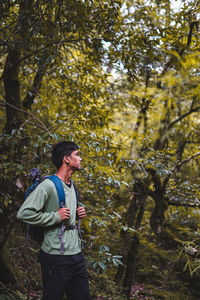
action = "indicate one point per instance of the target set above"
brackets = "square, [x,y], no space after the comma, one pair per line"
[32,210]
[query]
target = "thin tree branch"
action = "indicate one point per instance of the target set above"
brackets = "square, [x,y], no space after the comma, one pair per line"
[183,204]
[29,98]
[178,164]
[28,121]
[196,4]
[189,39]
[183,116]
[186,160]
[25,112]
[192,104]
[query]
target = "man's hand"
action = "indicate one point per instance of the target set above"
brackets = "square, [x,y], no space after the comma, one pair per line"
[81,212]
[64,213]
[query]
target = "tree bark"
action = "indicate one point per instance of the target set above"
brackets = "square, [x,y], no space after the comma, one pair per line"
[133,249]
[14,117]
[130,266]
[133,217]
[130,217]
[7,220]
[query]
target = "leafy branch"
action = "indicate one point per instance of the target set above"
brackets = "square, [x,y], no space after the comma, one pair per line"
[183,116]
[28,113]
[178,164]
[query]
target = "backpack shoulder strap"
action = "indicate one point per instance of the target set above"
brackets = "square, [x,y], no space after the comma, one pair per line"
[60,190]
[79,220]
[77,194]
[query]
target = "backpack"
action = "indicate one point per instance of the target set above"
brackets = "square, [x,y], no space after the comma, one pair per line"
[37,232]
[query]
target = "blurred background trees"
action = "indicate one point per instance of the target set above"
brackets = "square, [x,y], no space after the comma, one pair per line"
[120,78]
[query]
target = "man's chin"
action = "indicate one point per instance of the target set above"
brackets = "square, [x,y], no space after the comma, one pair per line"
[76,168]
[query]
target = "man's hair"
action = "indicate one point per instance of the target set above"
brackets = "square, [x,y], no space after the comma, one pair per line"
[60,150]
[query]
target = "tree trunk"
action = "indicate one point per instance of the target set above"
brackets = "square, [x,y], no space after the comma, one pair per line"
[133,250]
[7,221]
[157,216]
[134,218]
[130,266]
[14,116]
[130,217]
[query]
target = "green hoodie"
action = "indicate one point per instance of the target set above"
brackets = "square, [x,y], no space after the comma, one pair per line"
[41,208]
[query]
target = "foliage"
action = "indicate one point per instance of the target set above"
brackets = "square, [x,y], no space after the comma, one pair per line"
[123,82]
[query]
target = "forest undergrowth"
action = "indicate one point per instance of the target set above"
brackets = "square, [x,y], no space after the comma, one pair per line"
[159,274]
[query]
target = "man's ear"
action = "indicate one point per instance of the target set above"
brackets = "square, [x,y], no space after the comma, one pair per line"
[65,160]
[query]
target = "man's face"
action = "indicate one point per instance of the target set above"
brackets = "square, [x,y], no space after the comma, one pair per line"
[74,160]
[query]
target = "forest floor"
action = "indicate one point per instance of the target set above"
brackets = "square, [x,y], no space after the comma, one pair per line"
[138,292]
[157,278]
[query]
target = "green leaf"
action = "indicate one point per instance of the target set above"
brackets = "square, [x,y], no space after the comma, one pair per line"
[102,265]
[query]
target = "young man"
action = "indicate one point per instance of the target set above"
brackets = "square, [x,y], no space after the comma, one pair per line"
[62,271]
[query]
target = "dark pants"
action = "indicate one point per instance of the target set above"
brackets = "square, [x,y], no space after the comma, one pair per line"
[70,279]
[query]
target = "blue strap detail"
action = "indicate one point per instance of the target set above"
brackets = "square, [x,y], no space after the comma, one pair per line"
[59,188]
[79,220]
[77,195]
[32,187]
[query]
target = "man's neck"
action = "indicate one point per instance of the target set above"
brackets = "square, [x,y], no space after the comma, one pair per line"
[65,174]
